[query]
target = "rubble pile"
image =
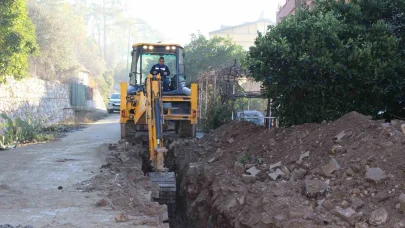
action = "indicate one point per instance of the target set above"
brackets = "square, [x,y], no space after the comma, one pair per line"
[124,187]
[346,173]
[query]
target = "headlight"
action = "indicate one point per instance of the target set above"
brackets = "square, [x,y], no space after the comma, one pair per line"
[167,48]
[145,47]
[150,47]
[173,47]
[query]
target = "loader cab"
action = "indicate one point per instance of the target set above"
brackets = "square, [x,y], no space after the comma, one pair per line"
[145,55]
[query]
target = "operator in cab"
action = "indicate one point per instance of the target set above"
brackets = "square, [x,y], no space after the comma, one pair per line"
[163,70]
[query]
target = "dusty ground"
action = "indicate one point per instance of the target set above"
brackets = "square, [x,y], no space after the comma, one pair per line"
[347,173]
[30,177]
[125,186]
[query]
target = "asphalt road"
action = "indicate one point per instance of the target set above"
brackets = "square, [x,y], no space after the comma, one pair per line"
[30,177]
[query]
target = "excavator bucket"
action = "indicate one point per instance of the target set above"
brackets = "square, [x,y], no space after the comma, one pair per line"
[167,187]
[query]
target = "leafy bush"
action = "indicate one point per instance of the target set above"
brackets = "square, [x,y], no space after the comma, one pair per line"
[20,130]
[217,115]
[17,39]
[341,57]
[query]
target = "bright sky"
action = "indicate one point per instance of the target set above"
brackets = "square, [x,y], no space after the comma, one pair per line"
[177,19]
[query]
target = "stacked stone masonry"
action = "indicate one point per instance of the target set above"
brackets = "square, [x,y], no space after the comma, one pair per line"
[40,100]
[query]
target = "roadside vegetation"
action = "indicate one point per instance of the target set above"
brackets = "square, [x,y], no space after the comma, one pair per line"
[31,130]
[339,57]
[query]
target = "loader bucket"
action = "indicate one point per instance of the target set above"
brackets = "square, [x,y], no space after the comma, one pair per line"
[167,187]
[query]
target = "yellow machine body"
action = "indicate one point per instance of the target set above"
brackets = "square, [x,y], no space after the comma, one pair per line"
[145,105]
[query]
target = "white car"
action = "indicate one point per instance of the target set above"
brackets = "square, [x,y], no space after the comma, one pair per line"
[113,103]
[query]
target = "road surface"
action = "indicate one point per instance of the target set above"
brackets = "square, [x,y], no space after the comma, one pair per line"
[30,177]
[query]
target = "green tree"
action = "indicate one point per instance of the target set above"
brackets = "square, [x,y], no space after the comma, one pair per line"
[17,39]
[204,54]
[321,64]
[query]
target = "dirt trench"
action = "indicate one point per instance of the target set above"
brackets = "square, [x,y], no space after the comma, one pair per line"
[346,173]
[179,215]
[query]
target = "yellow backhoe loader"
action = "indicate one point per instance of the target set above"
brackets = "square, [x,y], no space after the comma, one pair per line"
[149,104]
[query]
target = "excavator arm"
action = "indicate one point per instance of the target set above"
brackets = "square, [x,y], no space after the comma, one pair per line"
[155,121]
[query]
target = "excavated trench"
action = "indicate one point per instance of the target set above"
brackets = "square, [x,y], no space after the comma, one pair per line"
[181,215]
[179,160]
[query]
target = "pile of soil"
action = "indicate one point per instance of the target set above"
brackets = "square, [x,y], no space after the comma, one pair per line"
[123,186]
[346,173]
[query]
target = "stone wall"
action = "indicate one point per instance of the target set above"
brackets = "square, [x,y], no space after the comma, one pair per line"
[97,102]
[45,101]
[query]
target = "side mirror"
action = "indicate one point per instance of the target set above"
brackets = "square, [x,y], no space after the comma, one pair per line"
[184,54]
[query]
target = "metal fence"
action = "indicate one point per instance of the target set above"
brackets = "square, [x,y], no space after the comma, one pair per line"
[80,94]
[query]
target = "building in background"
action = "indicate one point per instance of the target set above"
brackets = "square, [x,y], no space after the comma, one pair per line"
[243,34]
[287,7]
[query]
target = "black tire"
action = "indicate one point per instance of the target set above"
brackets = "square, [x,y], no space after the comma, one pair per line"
[110,111]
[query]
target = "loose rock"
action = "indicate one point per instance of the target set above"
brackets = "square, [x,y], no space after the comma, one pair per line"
[298,174]
[314,188]
[238,168]
[357,203]
[403,128]
[379,217]
[361,225]
[248,178]
[277,174]
[380,197]
[309,216]
[277,165]
[327,204]
[331,167]
[211,160]
[401,200]
[338,149]
[375,175]
[340,136]
[344,214]
[302,156]
[279,219]
[295,215]
[399,225]
[253,171]
[101,203]
[121,217]
[350,172]
[345,204]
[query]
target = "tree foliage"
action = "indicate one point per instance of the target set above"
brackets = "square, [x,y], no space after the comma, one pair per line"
[341,57]
[17,39]
[204,54]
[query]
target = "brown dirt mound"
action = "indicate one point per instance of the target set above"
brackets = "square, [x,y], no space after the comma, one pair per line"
[124,187]
[337,174]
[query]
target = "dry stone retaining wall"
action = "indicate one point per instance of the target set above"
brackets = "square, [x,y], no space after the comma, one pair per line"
[45,101]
